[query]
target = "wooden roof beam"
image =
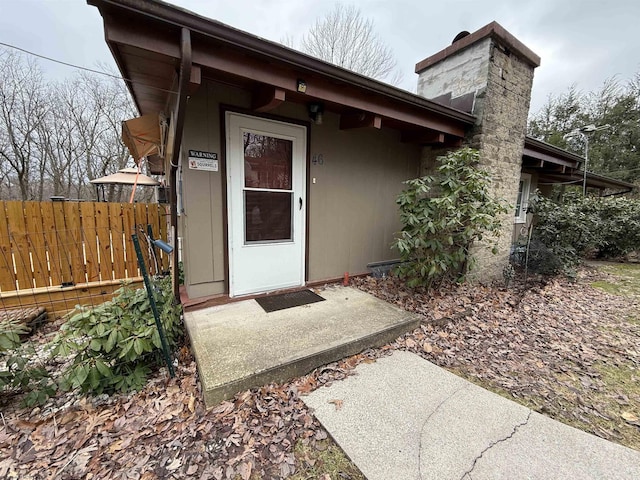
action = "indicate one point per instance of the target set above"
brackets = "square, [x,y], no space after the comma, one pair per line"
[532,162]
[320,89]
[267,98]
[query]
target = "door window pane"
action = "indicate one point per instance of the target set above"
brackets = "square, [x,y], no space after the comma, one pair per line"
[267,216]
[267,161]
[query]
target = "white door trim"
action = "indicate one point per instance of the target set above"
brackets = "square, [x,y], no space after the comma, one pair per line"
[265,266]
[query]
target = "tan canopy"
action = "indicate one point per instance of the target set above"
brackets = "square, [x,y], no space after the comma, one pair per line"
[143,136]
[126,176]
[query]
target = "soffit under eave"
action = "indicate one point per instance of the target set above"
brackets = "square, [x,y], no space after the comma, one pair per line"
[576,178]
[341,97]
[143,61]
[228,61]
[151,86]
[532,156]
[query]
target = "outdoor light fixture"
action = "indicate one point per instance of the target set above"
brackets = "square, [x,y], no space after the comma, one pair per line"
[582,131]
[315,112]
[162,245]
[301,86]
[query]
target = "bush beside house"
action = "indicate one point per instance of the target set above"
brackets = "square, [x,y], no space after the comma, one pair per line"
[442,216]
[565,233]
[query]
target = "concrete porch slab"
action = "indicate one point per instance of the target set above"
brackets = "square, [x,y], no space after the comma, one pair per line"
[239,346]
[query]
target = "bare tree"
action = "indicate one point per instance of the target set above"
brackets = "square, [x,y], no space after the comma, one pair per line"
[104,151]
[23,108]
[57,136]
[347,39]
[60,142]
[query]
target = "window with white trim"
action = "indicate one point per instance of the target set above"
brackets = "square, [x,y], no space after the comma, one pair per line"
[523,198]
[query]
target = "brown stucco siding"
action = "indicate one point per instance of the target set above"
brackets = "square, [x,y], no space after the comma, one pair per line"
[353,215]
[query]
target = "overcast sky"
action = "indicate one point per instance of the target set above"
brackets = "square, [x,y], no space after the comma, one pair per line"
[580,41]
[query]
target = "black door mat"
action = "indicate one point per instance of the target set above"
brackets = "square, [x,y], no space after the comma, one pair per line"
[273,303]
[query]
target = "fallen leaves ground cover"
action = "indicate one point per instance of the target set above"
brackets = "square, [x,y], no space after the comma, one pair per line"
[165,432]
[569,350]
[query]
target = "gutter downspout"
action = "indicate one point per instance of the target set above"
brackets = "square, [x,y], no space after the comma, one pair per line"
[181,106]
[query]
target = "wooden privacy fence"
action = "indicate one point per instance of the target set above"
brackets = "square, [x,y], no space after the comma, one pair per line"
[46,246]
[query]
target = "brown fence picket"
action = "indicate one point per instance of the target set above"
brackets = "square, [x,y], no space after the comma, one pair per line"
[117,241]
[90,235]
[7,275]
[128,217]
[49,244]
[74,229]
[64,243]
[20,244]
[154,221]
[38,247]
[104,241]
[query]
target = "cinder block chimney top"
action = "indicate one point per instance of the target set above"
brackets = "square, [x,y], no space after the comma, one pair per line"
[465,39]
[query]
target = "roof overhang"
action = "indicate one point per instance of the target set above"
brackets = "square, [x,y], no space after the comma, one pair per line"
[554,165]
[144,38]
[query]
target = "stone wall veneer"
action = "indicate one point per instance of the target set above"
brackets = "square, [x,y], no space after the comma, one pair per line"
[498,69]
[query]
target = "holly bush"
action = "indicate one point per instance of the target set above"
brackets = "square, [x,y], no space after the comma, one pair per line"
[442,216]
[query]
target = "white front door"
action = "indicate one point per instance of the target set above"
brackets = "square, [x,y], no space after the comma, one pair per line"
[266,203]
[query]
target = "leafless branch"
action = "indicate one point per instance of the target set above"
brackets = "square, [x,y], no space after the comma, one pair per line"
[347,39]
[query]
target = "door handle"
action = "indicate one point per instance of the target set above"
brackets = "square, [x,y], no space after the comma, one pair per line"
[300,203]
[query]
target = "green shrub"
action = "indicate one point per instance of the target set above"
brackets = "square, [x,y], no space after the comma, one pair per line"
[442,216]
[620,227]
[10,331]
[115,344]
[543,260]
[565,233]
[562,234]
[19,374]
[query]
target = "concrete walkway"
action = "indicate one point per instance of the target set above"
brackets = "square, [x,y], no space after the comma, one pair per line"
[239,346]
[405,418]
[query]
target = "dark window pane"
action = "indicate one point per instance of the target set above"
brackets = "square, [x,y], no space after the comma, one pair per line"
[267,162]
[519,201]
[267,216]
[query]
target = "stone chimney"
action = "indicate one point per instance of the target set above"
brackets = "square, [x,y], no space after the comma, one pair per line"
[488,73]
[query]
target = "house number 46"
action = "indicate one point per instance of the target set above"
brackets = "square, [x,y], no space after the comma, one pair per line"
[317,159]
